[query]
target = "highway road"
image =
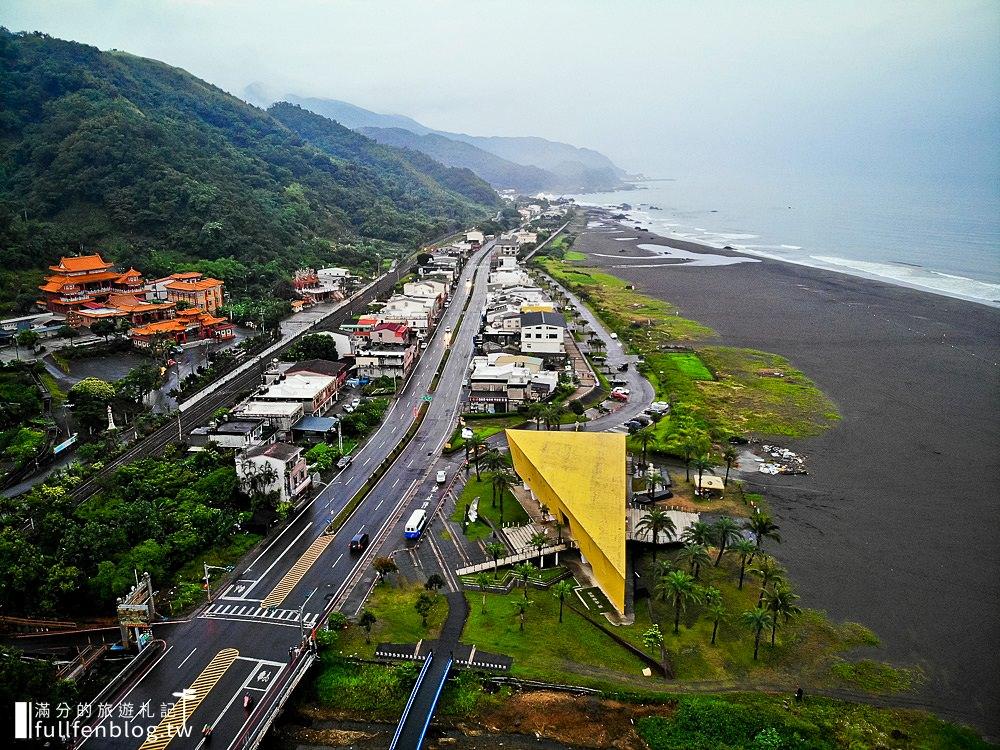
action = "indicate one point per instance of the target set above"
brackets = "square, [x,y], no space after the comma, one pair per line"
[240,643]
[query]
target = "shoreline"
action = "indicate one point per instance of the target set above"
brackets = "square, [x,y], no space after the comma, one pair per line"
[892,527]
[831,264]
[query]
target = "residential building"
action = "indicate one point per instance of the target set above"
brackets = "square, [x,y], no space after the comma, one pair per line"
[437,291]
[504,382]
[543,333]
[236,434]
[385,361]
[279,415]
[291,474]
[392,334]
[316,393]
[475,238]
[581,477]
[335,370]
[416,312]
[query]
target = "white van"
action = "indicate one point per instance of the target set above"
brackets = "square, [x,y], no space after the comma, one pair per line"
[415,525]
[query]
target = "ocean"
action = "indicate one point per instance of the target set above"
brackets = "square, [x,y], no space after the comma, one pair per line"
[941,236]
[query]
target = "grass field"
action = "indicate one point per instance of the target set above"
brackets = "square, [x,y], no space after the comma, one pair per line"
[574,255]
[483,429]
[512,510]
[719,387]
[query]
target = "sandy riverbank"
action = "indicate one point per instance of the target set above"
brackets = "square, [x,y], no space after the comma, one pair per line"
[896,525]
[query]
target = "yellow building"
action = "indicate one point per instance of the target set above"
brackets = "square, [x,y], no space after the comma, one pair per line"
[581,477]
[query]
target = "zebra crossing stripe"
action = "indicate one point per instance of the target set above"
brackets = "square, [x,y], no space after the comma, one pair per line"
[181,711]
[291,579]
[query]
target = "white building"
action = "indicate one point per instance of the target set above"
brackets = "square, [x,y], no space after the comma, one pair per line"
[236,434]
[316,393]
[280,415]
[291,474]
[416,312]
[543,333]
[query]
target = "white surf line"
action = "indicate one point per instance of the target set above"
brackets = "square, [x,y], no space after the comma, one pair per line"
[283,552]
[187,657]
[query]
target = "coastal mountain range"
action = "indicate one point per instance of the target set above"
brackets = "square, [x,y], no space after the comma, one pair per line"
[111,151]
[527,164]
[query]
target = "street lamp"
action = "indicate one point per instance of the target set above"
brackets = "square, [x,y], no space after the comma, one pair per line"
[185,695]
[208,585]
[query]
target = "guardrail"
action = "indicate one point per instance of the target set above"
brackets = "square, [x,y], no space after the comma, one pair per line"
[409,703]
[270,707]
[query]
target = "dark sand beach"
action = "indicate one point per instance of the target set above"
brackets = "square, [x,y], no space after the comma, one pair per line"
[897,524]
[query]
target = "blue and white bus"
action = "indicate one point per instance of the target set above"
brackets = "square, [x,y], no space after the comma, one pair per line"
[415,526]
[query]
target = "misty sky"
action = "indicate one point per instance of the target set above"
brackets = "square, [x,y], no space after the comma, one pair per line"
[908,88]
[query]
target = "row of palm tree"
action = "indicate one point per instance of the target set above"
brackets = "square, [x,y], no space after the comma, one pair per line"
[548,414]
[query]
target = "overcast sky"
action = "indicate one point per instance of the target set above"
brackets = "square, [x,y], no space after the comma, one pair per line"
[661,87]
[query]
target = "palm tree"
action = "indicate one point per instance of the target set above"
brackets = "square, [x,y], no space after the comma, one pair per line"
[729,455]
[660,568]
[745,549]
[703,463]
[555,414]
[483,581]
[762,526]
[367,620]
[472,445]
[524,571]
[536,412]
[699,533]
[756,619]
[539,540]
[780,601]
[501,482]
[561,590]
[655,521]
[768,571]
[495,550]
[678,588]
[521,608]
[644,437]
[717,612]
[693,442]
[695,555]
[727,531]
[493,461]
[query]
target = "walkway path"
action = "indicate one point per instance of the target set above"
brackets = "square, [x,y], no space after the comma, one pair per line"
[423,701]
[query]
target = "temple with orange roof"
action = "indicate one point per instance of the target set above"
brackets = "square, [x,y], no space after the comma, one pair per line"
[188,325]
[79,280]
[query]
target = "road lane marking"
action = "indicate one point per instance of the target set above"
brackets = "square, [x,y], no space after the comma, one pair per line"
[264,574]
[187,657]
[337,560]
[295,574]
[181,711]
[380,503]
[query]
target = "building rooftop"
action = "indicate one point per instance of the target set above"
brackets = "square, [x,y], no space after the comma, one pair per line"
[281,451]
[542,318]
[587,471]
[298,387]
[79,263]
[318,367]
[271,408]
[198,285]
[316,424]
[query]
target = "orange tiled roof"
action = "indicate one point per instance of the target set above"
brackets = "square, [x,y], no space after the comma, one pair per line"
[161,326]
[132,303]
[82,263]
[194,286]
[185,275]
[123,278]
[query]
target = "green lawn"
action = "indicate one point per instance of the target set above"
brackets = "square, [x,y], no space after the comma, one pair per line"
[573,651]
[574,255]
[483,429]
[720,387]
[188,580]
[397,621]
[512,510]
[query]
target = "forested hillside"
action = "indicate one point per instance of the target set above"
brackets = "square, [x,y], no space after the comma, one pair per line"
[112,152]
[495,170]
[406,171]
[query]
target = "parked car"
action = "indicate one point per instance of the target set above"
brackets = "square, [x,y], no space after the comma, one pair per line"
[348,408]
[442,476]
[619,396]
[643,420]
[359,543]
[632,426]
[614,335]
[355,403]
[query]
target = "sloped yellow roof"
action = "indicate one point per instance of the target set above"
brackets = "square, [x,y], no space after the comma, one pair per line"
[587,471]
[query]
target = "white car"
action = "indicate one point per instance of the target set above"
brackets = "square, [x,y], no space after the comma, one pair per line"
[348,408]
[355,403]
[442,477]
[614,335]
[448,329]
[623,391]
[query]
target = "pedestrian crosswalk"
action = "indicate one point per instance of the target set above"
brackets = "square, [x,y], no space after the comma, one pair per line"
[266,614]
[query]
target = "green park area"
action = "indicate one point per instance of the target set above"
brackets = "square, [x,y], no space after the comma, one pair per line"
[715,390]
[496,505]
[483,428]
